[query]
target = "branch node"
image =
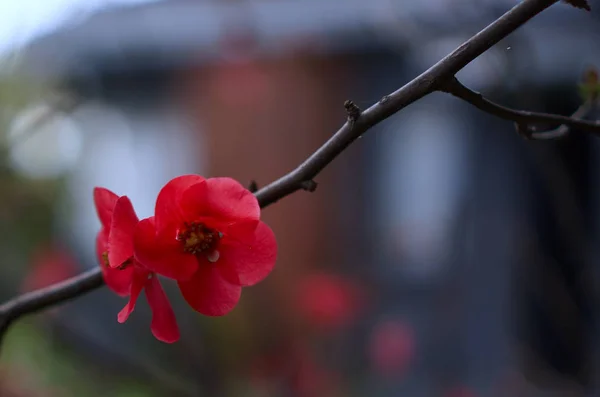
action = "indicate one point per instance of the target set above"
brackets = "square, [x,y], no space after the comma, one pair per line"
[449,85]
[352,110]
[579,4]
[309,185]
[253,186]
[524,119]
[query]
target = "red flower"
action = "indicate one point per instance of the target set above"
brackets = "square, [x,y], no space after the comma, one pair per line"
[299,368]
[310,379]
[391,348]
[119,280]
[51,264]
[121,271]
[207,234]
[328,301]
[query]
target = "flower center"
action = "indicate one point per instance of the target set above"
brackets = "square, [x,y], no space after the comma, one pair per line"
[197,238]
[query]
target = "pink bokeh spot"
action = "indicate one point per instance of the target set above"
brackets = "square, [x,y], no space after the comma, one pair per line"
[391,348]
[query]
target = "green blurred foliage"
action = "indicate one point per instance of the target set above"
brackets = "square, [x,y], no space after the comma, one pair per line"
[50,368]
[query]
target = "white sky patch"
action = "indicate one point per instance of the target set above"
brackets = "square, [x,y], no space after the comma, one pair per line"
[24,20]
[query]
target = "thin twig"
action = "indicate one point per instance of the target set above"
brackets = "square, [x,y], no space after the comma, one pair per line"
[522,118]
[564,129]
[302,177]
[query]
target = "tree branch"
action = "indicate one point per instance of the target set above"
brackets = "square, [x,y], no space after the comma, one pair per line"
[34,301]
[522,118]
[302,177]
[431,80]
[559,132]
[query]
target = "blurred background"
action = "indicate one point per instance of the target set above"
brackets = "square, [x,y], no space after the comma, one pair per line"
[441,255]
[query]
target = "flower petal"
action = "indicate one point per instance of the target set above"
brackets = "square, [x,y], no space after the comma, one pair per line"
[209,293]
[246,260]
[105,201]
[222,198]
[122,229]
[163,255]
[164,325]
[101,245]
[232,200]
[117,280]
[168,207]
[139,280]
